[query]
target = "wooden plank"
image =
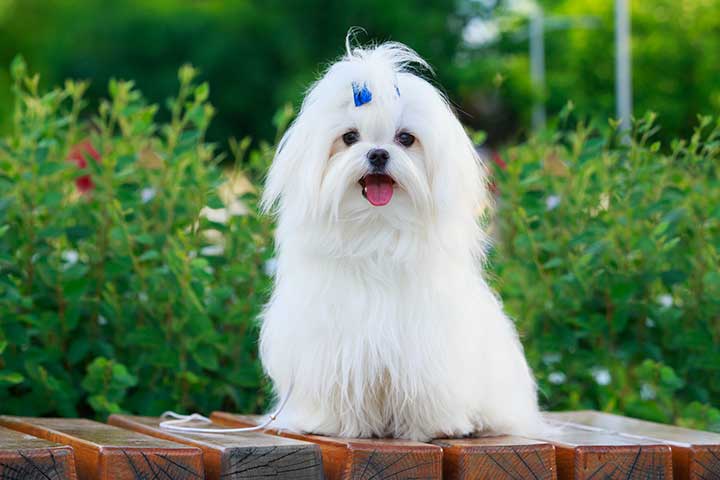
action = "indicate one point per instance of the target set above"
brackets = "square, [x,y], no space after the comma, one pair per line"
[23,456]
[498,458]
[695,454]
[232,456]
[104,452]
[362,459]
[583,454]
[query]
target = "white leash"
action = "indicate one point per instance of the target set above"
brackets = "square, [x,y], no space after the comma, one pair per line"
[176,424]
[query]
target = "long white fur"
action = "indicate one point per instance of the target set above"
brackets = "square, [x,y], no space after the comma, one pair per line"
[381,315]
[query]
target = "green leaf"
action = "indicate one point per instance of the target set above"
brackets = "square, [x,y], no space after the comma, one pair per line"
[670,379]
[553,263]
[672,277]
[18,67]
[79,348]
[214,201]
[12,378]
[202,91]
[660,228]
[206,356]
[149,255]
[144,239]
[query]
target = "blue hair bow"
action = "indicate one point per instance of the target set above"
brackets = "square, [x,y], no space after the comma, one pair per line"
[361,95]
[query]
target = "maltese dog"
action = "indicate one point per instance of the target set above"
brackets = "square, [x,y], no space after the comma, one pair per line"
[380,322]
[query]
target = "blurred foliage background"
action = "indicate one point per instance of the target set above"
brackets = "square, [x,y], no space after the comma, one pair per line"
[260,54]
[607,255]
[131,275]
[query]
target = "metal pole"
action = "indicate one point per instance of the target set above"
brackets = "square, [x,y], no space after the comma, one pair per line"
[623,80]
[537,68]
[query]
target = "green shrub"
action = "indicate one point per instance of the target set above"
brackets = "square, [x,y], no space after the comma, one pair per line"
[607,255]
[119,291]
[116,289]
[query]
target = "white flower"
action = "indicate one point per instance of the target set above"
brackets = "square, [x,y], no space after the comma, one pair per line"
[604,201]
[147,194]
[480,31]
[557,378]
[270,267]
[665,300]
[212,251]
[213,236]
[649,322]
[603,205]
[70,256]
[647,392]
[238,208]
[602,376]
[552,202]
[217,215]
[552,357]
[102,320]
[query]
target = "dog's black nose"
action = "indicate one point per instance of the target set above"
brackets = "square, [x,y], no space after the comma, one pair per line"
[378,157]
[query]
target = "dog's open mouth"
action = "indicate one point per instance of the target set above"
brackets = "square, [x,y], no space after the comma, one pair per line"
[377,188]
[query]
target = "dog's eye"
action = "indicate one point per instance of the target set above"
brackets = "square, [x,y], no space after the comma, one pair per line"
[405,139]
[351,137]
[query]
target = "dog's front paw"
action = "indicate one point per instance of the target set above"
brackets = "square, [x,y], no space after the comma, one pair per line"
[425,435]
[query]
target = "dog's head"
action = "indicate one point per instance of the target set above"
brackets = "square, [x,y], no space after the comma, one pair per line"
[373,141]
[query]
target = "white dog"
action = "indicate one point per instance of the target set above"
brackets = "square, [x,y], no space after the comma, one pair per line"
[380,323]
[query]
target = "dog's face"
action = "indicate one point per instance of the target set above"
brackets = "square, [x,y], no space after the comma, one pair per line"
[377,159]
[382,153]
[373,141]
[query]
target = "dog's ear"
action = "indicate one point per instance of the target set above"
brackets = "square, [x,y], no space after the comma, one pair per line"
[296,170]
[459,177]
[458,182]
[280,168]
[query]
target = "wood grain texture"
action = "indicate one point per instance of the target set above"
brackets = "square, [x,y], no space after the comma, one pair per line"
[501,457]
[582,454]
[362,459]
[234,456]
[695,454]
[104,452]
[25,457]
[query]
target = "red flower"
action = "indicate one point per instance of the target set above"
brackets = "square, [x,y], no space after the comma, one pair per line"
[78,155]
[498,160]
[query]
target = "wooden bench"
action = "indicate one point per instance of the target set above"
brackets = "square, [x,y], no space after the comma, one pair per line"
[695,454]
[365,458]
[582,454]
[104,452]
[26,457]
[489,457]
[585,446]
[232,456]
[497,457]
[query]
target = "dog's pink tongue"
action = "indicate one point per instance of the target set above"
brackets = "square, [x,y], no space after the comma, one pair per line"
[378,189]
